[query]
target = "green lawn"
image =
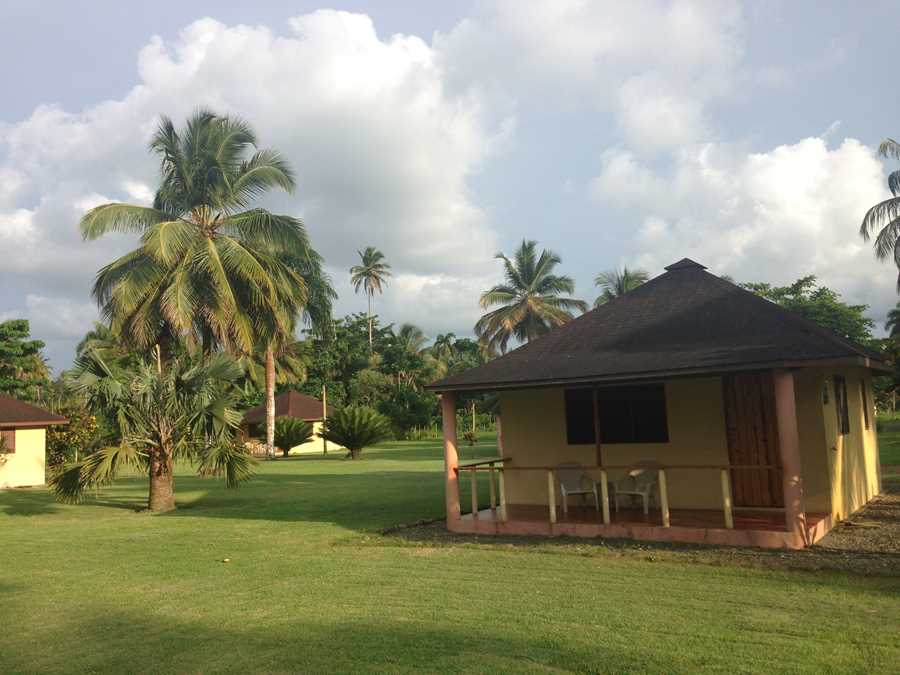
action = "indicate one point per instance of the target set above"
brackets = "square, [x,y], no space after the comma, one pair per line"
[312,586]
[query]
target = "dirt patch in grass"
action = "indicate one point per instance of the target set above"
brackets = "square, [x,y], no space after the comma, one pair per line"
[867,544]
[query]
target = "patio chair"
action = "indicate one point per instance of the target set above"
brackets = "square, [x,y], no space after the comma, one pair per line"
[574,481]
[640,482]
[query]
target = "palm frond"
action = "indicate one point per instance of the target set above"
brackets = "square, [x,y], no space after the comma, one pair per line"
[121,218]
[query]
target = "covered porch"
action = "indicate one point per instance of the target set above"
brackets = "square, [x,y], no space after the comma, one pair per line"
[703,510]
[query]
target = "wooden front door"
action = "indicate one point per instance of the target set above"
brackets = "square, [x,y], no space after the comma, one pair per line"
[752,439]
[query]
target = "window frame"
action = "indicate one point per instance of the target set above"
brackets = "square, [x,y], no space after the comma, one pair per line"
[9,441]
[841,406]
[864,396]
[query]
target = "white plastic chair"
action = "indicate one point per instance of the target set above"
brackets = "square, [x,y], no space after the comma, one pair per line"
[574,481]
[640,482]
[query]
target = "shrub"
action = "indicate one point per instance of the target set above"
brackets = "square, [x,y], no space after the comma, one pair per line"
[290,431]
[471,438]
[356,427]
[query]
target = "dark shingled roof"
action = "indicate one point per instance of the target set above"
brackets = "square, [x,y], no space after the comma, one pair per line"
[686,321]
[15,413]
[289,404]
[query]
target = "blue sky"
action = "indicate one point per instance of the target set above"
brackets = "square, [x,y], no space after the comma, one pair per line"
[741,135]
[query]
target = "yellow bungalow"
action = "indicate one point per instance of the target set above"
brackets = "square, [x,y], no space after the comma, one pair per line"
[293,404]
[726,418]
[23,432]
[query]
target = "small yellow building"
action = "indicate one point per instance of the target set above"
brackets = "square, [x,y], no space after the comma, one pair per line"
[293,404]
[23,433]
[726,418]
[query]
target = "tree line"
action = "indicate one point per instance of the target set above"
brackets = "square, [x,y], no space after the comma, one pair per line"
[224,303]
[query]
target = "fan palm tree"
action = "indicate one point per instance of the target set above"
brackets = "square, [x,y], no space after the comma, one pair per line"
[530,299]
[616,283]
[209,269]
[371,275]
[884,217]
[187,411]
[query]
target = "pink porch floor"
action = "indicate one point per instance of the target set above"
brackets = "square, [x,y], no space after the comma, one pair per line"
[751,528]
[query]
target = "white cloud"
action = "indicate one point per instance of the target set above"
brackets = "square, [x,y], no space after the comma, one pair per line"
[769,216]
[382,149]
[655,65]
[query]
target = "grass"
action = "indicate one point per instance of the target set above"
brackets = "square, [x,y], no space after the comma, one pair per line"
[312,585]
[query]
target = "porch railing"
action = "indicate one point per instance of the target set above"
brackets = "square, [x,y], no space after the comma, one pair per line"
[496,467]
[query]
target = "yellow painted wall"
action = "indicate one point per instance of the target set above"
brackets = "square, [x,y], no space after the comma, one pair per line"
[840,473]
[25,466]
[315,445]
[852,459]
[534,433]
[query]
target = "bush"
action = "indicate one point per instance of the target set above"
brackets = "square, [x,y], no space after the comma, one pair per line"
[471,438]
[355,428]
[290,431]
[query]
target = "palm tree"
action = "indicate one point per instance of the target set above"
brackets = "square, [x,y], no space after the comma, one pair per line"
[412,338]
[209,269]
[371,276]
[530,300]
[616,283]
[291,432]
[884,217]
[355,428]
[186,411]
[893,321]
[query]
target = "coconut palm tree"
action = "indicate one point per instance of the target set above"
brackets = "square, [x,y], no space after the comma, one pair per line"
[185,411]
[412,338]
[616,283]
[371,275]
[884,217]
[530,299]
[893,321]
[210,269]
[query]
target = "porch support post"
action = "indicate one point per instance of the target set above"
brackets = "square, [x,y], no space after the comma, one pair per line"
[726,499]
[551,495]
[474,483]
[501,483]
[664,498]
[604,496]
[789,449]
[451,457]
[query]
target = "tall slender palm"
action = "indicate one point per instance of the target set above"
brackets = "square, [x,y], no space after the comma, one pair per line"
[371,275]
[884,217]
[209,269]
[412,337]
[616,283]
[530,299]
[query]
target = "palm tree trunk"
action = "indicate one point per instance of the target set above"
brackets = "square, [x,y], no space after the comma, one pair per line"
[370,320]
[270,402]
[162,482]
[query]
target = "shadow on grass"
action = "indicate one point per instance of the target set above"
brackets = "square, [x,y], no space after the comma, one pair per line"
[27,502]
[113,641]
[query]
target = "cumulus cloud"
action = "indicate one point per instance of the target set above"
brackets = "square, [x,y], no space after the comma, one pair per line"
[655,66]
[765,216]
[383,152]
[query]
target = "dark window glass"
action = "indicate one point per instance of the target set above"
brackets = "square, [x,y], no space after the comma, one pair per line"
[580,416]
[633,414]
[840,405]
[865,403]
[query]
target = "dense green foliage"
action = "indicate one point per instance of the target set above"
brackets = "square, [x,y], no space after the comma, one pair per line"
[23,372]
[290,432]
[71,442]
[821,305]
[312,586]
[531,299]
[356,428]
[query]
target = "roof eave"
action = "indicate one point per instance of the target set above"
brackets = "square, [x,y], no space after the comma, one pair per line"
[33,424]
[857,361]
